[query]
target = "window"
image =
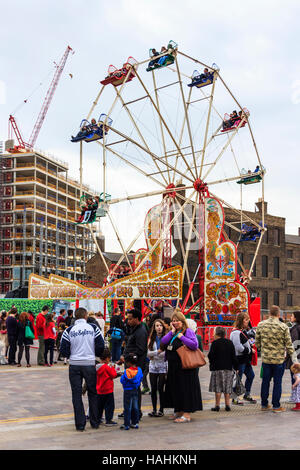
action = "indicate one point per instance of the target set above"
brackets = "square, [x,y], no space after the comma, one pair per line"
[276,236]
[276,267]
[266,237]
[264,266]
[264,299]
[289,253]
[289,300]
[290,275]
[276,298]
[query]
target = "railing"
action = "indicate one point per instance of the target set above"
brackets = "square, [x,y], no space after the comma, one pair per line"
[284,314]
[25,165]
[207,334]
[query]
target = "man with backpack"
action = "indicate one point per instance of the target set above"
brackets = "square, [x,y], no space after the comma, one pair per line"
[117,335]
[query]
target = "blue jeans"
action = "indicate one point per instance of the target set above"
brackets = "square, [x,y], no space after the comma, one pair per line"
[248,371]
[131,407]
[115,349]
[276,372]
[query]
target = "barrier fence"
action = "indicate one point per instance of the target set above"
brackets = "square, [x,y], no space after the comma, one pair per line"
[207,334]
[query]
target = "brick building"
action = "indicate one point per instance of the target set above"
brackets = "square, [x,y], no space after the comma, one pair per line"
[276,274]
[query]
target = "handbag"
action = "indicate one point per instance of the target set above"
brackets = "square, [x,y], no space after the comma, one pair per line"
[237,386]
[28,332]
[191,359]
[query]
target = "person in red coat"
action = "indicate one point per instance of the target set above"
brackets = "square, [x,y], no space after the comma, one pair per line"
[40,331]
[105,387]
[49,336]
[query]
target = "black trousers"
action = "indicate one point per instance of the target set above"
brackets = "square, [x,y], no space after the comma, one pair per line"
[12,341]
[27,354]
[49,346]
[76,376]
[157,382]
[106,403]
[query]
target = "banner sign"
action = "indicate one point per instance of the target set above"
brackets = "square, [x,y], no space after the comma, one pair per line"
[143,285]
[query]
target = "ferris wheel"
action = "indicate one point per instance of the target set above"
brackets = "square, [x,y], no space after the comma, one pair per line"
[183,133]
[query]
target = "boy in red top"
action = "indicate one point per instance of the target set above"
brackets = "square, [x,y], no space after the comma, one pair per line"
[40,331]
[105,387]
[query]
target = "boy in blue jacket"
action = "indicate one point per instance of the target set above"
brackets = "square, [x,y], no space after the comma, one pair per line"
[131,380]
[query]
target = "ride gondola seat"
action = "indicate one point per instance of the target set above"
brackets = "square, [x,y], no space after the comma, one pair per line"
[201,82]
[169,57]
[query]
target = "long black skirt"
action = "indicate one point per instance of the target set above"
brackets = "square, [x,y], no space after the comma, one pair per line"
[182,392]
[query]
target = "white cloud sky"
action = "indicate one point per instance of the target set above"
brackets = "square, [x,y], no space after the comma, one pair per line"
[254,43]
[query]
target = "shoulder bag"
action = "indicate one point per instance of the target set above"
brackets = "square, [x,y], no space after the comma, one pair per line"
[28,332]
[191,359]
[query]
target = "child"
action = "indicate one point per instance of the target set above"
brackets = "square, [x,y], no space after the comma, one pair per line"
[295,369]
[49,336]
[105,387]
[131,380]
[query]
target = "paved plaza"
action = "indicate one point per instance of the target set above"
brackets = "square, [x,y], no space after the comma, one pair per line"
[36,413]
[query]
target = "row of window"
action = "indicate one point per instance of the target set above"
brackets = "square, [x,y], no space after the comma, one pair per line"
[276,299]
[265,267]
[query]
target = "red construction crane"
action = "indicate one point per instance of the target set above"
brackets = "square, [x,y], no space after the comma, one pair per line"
[44,109]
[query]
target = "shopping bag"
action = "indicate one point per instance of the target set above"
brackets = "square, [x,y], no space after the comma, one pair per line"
[237,386]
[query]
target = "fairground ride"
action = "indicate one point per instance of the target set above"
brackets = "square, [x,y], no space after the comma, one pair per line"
[185,132]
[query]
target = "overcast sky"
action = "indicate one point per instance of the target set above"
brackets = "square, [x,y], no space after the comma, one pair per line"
[255,44]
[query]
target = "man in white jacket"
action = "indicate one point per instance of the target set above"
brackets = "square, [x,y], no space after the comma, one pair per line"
[80,343]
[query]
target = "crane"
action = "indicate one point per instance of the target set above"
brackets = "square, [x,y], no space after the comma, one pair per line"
[43,112]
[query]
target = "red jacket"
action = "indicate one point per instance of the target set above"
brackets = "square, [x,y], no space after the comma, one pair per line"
[40,324]
[49,331]
[105,379]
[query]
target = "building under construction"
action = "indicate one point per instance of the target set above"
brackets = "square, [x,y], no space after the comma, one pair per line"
[38,208]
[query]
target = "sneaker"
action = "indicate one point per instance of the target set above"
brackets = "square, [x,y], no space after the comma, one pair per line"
[278,410]
[145,390]
[121,415]
[134,426]
[290,400]
[235,401]
[249,399]
[124,428]
[266,408]
[110,423]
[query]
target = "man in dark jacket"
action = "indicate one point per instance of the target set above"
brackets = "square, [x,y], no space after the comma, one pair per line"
[12,333]
[137,343]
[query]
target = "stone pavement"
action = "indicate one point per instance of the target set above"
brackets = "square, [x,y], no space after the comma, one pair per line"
[36,413]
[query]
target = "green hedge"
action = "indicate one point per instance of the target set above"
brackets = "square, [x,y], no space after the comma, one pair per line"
[23,305]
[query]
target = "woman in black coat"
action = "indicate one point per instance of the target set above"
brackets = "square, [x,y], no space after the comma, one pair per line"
[22,341]
[222,362]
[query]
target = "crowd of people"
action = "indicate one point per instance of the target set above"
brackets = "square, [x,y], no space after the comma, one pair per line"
[156,347]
